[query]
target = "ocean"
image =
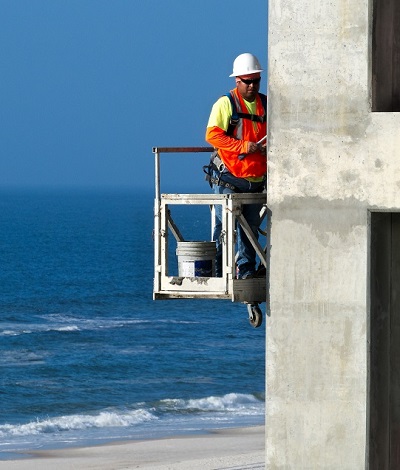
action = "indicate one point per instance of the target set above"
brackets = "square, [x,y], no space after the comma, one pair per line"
[86,355]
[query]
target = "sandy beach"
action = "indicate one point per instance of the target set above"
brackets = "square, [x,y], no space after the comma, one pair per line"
[227,449]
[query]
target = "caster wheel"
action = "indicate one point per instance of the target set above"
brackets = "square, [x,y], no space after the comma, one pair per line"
[255,315]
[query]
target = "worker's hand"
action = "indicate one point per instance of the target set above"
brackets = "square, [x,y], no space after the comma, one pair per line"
[262,148]
[253,147]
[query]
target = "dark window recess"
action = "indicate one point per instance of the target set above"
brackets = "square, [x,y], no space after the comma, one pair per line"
[384,343]
[386,56]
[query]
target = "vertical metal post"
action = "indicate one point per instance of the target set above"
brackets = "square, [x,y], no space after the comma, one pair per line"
[230,237]
[157,235]
[212,214]
[157,173]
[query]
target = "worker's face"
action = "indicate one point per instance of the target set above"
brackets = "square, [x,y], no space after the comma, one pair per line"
[248,85]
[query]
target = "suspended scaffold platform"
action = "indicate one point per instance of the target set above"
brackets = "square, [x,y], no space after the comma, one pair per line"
[181,286]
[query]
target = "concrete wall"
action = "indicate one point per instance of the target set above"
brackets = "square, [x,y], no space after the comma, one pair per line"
[331,160]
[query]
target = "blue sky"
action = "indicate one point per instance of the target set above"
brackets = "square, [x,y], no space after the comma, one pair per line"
[88,87]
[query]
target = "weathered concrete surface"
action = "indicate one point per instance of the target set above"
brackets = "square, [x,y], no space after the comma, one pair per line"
[330,161]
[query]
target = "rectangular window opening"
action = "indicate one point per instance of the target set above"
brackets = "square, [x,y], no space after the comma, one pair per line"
[384,342]
[386,56]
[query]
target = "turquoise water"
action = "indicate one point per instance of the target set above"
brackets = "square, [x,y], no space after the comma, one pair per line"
[86,355]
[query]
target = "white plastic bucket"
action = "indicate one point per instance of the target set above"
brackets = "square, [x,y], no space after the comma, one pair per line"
[196,259]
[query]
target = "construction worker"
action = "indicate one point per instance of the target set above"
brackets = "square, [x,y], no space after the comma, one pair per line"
[237,130]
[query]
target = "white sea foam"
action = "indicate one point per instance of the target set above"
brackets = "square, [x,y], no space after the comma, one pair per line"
[11,333]
[66,328]
[232,404]
[105,419]
[17,331]
[61,323]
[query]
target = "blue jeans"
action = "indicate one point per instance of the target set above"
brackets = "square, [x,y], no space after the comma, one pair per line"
[246,254]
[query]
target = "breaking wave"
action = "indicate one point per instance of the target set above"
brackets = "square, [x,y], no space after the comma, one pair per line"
[214,407]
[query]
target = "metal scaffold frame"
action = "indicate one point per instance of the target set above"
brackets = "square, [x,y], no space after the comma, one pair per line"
[227,286]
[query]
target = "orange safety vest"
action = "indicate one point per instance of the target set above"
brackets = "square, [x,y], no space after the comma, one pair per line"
[229,147]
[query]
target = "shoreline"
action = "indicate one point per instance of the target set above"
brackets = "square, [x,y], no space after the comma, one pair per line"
[227,448]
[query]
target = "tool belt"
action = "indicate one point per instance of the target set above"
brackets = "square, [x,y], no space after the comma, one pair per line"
[216,167]
[214,173]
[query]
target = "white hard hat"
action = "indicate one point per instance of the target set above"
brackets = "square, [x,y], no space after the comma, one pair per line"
[245,64]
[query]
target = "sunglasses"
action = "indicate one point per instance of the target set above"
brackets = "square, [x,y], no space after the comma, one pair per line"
[254,81]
